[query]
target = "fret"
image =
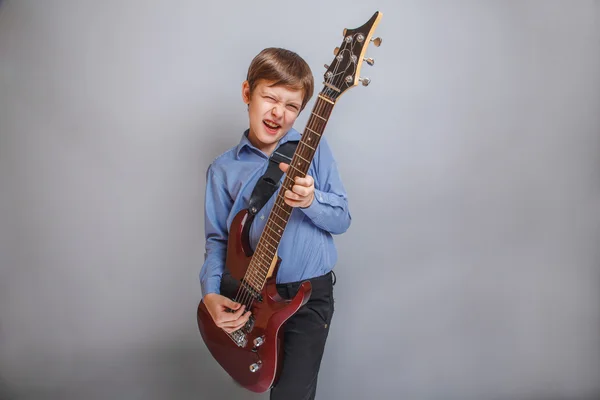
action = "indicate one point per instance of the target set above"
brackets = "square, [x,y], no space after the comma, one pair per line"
[262,243]
[256,271]
[284,220]
[265,259]
[259,259]
[262,258]
[307,145]
[304,159]
[273,230]
[317,115]
[260,273]
[249,277]
[270,237]
[253,285]
[326,99]
[266,253]
[281,208]
[280,227]
[296,169]
[316,133]
[265,241]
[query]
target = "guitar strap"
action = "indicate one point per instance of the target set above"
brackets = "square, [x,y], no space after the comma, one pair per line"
[269,182]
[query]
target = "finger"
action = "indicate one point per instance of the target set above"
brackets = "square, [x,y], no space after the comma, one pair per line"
[227,317]
[238,313]
[301,190]
[237,324]
[292,196]
[306,181]
[233,325]
[230,329]
[233,329]
[293,203]
[284,167]
[231,304]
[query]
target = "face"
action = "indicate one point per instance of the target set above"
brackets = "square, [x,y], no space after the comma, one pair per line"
[272,111]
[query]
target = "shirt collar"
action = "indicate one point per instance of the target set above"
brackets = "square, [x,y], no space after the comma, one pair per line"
[291,135]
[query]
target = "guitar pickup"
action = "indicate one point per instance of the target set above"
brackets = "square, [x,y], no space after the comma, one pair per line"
[250,290]
[239,338]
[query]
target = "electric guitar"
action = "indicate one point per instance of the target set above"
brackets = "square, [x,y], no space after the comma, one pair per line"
[252,355]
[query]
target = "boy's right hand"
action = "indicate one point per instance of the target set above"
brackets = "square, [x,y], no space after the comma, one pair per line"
[218,306]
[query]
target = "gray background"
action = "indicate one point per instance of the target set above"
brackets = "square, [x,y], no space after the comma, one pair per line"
[471,268]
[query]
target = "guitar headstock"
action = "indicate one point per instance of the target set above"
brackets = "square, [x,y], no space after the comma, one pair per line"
[343,72]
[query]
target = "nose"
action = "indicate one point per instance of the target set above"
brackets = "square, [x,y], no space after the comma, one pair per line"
[276,111]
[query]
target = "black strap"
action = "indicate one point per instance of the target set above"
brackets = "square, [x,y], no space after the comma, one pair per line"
[269,182]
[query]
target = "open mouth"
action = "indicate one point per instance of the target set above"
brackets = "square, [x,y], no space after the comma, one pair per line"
[271,126]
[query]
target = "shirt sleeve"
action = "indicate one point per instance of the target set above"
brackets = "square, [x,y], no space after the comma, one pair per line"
[216,209]
[329,209]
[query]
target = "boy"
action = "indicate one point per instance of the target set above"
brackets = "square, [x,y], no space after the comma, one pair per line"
[279,85]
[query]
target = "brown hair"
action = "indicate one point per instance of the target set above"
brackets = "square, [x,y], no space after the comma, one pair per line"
[283,67]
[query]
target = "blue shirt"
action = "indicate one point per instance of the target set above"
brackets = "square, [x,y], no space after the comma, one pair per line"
[306,248]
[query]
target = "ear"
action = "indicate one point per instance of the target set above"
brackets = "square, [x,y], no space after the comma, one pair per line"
[246,92]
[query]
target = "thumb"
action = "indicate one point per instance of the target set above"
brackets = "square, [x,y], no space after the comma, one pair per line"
[284,167]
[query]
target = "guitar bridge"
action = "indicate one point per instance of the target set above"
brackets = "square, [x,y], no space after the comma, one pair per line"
[239,337]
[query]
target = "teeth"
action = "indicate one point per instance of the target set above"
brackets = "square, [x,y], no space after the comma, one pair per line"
[272,125]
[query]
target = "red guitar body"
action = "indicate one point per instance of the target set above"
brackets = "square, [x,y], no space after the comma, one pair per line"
[261,350]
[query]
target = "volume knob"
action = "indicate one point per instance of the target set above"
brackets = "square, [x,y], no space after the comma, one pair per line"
[259,341]
[256,366]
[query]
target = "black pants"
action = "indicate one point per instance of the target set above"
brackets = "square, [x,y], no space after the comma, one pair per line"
[305,334]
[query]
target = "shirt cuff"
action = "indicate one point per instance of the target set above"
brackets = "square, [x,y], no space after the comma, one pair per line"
[211,285]
[315,210]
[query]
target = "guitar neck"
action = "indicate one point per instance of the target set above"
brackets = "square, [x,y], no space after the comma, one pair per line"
[266,250]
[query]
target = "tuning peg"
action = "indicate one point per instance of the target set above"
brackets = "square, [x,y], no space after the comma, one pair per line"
[326,66]
[377,41]
[365,81]
[336,51]
[369,61]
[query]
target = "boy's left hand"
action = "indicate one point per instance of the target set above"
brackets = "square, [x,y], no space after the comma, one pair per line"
[303,191]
